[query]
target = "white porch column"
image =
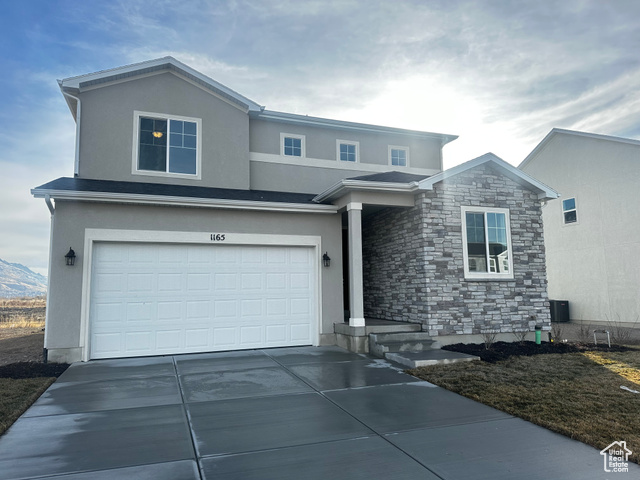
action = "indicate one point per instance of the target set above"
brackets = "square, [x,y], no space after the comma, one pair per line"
[356,289]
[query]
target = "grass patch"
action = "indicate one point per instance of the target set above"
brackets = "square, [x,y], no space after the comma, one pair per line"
[27,312]
[18,395]
[570,393]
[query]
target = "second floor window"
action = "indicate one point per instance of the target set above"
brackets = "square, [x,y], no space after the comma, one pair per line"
[167,145]
[347,150]
[292,145]
[398,156]
[569,211]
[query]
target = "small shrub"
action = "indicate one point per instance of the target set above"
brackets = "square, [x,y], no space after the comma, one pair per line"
[620,333]
[521,336]
[557,330]
[489,338]
[584,333]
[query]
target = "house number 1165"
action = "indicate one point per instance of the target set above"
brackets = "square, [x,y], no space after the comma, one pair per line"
[217,237]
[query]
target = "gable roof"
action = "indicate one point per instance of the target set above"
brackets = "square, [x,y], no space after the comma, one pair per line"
[377,182]
[561,131]
[544,192]
[72,85]
[66,188]
[150,66]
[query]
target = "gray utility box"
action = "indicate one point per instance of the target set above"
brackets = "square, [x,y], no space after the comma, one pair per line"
[559,310]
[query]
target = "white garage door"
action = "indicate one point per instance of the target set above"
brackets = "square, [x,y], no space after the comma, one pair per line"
[154,299]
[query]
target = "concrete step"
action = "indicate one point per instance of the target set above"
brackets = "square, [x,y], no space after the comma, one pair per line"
[380,344]
[406,346]
[428,357]
[401,336]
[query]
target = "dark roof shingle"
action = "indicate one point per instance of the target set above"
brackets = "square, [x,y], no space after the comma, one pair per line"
[391,177]
[139,188]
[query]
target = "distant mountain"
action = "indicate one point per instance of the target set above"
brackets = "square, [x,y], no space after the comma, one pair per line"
[19,281]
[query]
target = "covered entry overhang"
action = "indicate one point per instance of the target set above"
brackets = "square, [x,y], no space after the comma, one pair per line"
[367,194]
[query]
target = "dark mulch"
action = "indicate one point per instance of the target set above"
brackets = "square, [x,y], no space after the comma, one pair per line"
[32,370]
[503,350]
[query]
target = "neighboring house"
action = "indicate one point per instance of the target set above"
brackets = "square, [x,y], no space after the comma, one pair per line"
[592,232]
[201,222]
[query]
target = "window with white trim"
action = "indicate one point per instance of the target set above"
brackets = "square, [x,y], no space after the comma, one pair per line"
[486,243]
[347,151]
[398,156]
[292,145]
[569,211]
[167,145]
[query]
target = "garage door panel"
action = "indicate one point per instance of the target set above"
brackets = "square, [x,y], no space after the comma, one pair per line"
[152,299]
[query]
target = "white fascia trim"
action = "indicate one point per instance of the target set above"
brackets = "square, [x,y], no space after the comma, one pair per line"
[74,82]
[544,192]
[322,163]
[593,136]
[343,186]
[352,126]
[184,201]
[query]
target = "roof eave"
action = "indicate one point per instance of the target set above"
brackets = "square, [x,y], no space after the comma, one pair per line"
[556,131]
[544,191]
[292,118]
[344,186]
[75,82]
[167,200]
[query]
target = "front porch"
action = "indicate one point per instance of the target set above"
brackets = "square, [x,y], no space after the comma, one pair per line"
[401,342]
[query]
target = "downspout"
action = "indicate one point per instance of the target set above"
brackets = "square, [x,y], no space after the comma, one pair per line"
[76,164]
[45,350]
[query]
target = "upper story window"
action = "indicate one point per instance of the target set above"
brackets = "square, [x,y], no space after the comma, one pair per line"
[487,243]
[569,211]
[398,156]
[347,151]
[167,145]
[292,145]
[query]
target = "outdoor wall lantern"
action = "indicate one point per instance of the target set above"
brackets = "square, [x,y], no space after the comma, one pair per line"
[70,257]
[326,261]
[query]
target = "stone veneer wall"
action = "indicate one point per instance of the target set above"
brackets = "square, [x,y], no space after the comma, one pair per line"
[413,260]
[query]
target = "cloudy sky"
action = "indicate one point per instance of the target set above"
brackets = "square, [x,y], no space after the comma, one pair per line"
[500,74]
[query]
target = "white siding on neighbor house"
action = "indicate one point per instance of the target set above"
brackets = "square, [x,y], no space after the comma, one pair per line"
[593,263]
[154,299]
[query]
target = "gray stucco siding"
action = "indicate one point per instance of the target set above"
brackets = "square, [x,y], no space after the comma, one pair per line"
[107,130]
[278,177]
[72,218]
[413,261]
[321,143]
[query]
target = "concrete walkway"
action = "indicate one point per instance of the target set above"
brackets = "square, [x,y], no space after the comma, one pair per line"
[312,413]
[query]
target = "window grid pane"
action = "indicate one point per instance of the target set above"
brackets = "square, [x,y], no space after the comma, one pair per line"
[293,146]
[152,146]
[181,152]
[347,152]
[398,157]
[487,248]
[569,211]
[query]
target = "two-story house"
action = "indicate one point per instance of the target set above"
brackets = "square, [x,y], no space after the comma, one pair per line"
[592,232]
[196,220]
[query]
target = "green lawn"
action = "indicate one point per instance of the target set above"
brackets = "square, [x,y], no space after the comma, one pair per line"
[571,394]
[16,395]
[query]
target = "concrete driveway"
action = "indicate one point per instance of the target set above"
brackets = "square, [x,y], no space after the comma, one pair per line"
[313,413]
